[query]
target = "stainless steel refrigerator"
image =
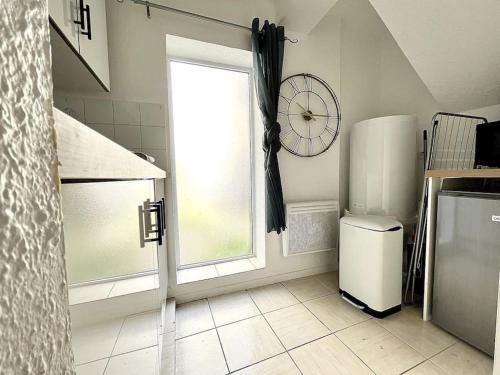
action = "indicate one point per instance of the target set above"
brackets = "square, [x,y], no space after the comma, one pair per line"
[467,264]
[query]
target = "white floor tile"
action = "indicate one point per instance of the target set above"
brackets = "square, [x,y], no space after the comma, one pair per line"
[295,325]
[232,307]
[328,356]
[138,332]
[426,368]
[335,313]
[379,349]
[95,342]
[92,368]
[422,336]
[193,317]
[200,354]
[272,297]
[307,288]
[463,359]
[280,365]
[330,280]
[248,342]
[140,362]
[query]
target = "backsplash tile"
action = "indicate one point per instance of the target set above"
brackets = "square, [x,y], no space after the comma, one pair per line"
[152,114]
[160,157]
[98,111]
[126,113]
[153,137]
[106,130]
[136,126]
[71,106]
[128,136]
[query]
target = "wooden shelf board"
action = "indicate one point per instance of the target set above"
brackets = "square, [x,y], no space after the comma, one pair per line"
[85,154]
[464,173]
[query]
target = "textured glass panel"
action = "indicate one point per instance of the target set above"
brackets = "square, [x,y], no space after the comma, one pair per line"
[212,162]
[312,231]
[101,230]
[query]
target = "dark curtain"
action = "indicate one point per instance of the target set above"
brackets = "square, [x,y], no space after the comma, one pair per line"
[268,49]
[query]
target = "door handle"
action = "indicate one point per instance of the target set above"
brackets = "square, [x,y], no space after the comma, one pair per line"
[84,11]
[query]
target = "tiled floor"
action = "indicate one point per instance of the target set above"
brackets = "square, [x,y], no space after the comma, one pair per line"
[302,326]
[125,346]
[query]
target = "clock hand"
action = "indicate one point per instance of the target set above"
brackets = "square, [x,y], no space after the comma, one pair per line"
[306,112]
[302,108]
[318,115]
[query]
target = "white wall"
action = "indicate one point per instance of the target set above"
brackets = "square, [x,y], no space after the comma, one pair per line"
[138,73]
[34,318]
[378,80]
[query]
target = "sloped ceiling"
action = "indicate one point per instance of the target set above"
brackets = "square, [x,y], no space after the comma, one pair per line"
[302,15]
[453,45]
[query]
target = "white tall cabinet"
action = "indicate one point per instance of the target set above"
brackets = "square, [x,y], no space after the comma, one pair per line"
[81,24]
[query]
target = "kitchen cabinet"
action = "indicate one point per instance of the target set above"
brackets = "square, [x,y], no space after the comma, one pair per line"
[63,13]
[79,26]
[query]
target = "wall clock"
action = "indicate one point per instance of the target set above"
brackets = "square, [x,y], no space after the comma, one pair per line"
[309,115]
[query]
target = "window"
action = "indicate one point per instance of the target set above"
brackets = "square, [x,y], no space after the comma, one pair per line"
[213,161]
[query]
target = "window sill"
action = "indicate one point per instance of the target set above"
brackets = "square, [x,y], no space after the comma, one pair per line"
[109,289]
[190,275]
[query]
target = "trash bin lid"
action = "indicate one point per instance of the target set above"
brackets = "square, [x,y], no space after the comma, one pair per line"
[372,222]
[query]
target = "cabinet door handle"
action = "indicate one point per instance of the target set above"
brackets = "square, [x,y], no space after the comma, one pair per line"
[81,10]
[89,25]
[146,227]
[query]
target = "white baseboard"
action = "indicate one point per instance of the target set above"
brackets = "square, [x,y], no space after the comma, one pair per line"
[235,287]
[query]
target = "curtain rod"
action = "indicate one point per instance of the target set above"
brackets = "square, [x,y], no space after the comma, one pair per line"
[149,5]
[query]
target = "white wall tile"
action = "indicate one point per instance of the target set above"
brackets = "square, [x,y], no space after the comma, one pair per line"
[70,105]
[106,130]
[152,114]
[98,111]
[77,106]
[128,136]
[59,101]
[126,113]
[153,137]
[160,157]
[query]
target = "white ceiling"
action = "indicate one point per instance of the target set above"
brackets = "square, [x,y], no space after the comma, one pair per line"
[296,15]
[301,15]
[454,46]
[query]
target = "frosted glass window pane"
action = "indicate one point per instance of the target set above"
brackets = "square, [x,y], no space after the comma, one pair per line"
[101,230]
[212,162]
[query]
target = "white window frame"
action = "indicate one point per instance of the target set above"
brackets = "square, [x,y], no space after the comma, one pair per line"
[252,123]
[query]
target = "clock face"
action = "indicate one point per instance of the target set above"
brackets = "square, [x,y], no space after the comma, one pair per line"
[309,115]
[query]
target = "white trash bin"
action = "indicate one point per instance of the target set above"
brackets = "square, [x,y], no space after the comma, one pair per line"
[371,262]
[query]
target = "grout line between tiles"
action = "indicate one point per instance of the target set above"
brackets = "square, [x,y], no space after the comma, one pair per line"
[407,343]
[218,337]
[114,345]
[429,359]
[352,351]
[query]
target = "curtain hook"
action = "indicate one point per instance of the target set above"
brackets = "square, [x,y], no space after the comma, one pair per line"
[294,41]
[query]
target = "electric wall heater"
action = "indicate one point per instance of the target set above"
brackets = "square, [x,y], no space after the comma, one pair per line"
[311,227]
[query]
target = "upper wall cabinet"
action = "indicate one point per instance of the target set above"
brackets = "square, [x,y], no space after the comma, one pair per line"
[79,43]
